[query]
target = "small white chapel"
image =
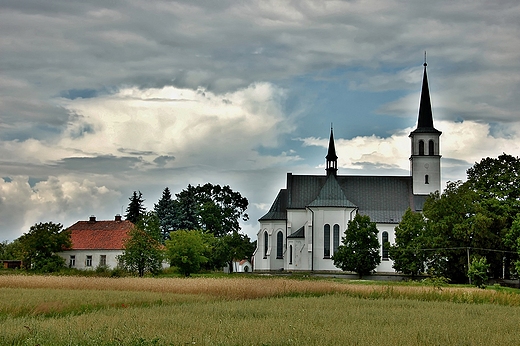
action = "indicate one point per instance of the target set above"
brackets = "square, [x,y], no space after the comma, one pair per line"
[305,224]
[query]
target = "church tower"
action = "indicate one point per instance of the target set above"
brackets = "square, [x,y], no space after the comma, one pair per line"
[425,161]
[332,158]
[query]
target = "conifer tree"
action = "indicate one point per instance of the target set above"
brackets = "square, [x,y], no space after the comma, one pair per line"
[135,208]
[165,210]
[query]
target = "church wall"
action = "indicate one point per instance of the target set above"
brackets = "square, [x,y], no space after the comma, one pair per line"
[265,258]
[331,217]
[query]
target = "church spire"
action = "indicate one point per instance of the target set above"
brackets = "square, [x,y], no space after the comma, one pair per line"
[332,158]
[425,121]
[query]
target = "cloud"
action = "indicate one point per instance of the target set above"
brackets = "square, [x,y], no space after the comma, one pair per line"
[58,199]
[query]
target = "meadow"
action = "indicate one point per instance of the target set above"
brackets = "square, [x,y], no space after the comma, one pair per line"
[250,310]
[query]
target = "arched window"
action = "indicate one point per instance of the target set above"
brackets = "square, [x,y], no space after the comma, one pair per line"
[431,148]
[279,245]
[326,241]
[385,245]
[290,254]
[421,147]
[426,179]
[266,243]
[335,237]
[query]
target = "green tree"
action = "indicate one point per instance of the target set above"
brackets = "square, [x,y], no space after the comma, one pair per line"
[230,247]
[455,222]
[359,251]
[189,250]
[407,253]
[39,247]
[143,249]
[186,208]
[211,208]
[135,208]
[165,210]
[478,272]
[497,183]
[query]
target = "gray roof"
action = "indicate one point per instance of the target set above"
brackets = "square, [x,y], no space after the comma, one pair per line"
[300,233]
[383,198]
[331,195]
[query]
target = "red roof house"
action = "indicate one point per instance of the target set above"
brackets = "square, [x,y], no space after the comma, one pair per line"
[96,243]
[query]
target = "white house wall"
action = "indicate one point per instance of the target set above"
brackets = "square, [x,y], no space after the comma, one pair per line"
[81,258]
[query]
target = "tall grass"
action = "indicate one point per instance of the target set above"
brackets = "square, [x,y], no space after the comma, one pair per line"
[49,310]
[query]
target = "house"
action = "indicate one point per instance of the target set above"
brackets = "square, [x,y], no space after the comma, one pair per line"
[303,228]
[96,243]
[243,266]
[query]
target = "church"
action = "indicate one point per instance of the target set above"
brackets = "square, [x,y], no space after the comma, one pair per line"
[305,224]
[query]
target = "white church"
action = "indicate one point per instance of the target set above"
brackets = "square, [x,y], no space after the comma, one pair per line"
[305,224]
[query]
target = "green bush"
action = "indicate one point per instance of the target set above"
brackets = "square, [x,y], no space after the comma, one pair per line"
[477,272]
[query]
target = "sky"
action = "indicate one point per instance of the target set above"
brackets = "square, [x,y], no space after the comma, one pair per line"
[102,98]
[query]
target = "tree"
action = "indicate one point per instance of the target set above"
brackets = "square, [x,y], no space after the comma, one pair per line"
[455,223]
[407,253]
[186,209]
[211,208]
[39,247]
[477,272]
[165,210]
[230,247]
[359,251]
[497,183]
[135,208]
[188,250]
[143,249]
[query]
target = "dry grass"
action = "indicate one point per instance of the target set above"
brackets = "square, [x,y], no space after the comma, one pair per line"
[254,288]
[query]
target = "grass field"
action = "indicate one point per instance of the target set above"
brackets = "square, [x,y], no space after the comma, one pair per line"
[53,310]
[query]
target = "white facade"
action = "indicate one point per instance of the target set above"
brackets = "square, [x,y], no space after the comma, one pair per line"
[91,259]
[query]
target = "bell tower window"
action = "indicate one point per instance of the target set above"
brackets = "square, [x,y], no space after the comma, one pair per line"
[421,147]
[431,147]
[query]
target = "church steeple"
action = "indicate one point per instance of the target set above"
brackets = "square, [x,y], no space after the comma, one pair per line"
[425,161]
[332,158]
[425,121]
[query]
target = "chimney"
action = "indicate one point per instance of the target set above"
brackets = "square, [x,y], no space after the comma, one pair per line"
[118,217]
[92,218]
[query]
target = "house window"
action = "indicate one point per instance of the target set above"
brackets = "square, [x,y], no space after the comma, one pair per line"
[72,261]
[290,254]
[279,245]
[103,260]
[426,179]
[88,262]
[335,237]
[326,241]
[421,147]
[431,147]
[385,245]
[266,243]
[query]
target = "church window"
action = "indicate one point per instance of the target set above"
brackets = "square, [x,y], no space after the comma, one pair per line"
[279,245]
[266,243]
[290,254]
[326,241]
[421,147]
[426,179]
[385,245]
[431,147]
[335,237]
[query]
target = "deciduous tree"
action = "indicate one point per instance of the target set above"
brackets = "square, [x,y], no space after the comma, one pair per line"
[359,251]
[189,250]
[143,250]
[407,252]
[39,247]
